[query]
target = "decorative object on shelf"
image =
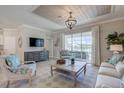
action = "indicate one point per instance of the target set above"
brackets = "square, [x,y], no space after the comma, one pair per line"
[20,41]
[71,21]
[60,61]
[116,48]
[72,61]
[115,38]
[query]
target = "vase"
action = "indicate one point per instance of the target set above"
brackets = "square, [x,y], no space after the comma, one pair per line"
[72,61]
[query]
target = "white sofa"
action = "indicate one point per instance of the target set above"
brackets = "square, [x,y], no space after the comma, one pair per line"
[108,76]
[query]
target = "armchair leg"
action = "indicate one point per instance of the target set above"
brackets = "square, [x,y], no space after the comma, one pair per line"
[30,80]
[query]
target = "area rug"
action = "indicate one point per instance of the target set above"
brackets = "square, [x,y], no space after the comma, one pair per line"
[43,79]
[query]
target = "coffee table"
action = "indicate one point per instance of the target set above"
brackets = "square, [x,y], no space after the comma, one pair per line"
[68,69]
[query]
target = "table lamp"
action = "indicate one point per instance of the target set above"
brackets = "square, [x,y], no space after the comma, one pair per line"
[116,48]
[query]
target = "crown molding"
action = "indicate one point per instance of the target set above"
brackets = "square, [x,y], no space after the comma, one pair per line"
[90,25]
[34,27]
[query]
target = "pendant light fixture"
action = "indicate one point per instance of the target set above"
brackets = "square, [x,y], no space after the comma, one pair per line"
[71,21]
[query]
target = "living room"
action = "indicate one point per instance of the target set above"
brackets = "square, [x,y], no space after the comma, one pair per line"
[40,48]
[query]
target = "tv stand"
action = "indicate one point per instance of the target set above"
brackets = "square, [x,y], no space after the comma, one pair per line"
[36,56]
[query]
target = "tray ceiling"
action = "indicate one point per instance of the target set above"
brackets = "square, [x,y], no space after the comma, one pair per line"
[82,13]
[52,17]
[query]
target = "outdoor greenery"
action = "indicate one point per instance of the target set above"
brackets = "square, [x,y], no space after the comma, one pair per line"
[115,38]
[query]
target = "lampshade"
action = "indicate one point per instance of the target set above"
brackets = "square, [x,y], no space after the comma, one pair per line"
[116,47]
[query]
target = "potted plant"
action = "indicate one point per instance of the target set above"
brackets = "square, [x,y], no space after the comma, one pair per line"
[115,38]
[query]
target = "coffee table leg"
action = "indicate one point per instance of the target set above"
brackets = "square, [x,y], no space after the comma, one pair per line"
[75,80]
[85,69]
[51,71]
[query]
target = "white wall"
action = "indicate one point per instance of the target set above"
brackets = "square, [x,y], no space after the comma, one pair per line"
[59,35]
[11,36]
[105,29]
[31,32]
[26,32]
[10,41]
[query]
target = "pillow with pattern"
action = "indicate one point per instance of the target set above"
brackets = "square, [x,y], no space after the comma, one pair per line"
[122,82]
[116,58]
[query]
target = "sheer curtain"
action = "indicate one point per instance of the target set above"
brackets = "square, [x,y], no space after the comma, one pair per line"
[95,46]
[87,44]
[79,42]
[76,42]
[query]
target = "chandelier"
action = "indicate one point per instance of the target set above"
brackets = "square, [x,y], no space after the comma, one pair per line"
[71,21]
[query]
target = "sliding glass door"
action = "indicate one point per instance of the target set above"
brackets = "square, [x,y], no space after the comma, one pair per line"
[87,44]
[68,42]
[76,42]
[79,43]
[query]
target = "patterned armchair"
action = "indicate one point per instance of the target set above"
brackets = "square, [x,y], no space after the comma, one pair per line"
[13,70]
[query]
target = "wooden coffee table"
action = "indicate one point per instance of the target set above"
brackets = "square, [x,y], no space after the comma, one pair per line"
[68,69]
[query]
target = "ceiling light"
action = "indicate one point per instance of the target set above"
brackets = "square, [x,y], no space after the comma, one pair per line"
[71,21]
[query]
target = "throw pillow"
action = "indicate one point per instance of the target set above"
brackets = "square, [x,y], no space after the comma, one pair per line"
[120,67]
[8,62]
[122,82]
[123,59]
[13,62]
[116,58]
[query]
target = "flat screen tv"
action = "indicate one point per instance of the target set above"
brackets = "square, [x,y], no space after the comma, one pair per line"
[36,42]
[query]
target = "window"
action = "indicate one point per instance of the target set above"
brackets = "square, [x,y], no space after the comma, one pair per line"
[76,42]
[68,42]
[87,43]
[81,42]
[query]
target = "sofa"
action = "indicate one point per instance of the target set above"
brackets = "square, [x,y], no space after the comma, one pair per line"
[110,75]
[73,54]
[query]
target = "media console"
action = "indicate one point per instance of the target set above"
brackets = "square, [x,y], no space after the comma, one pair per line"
[36,56]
